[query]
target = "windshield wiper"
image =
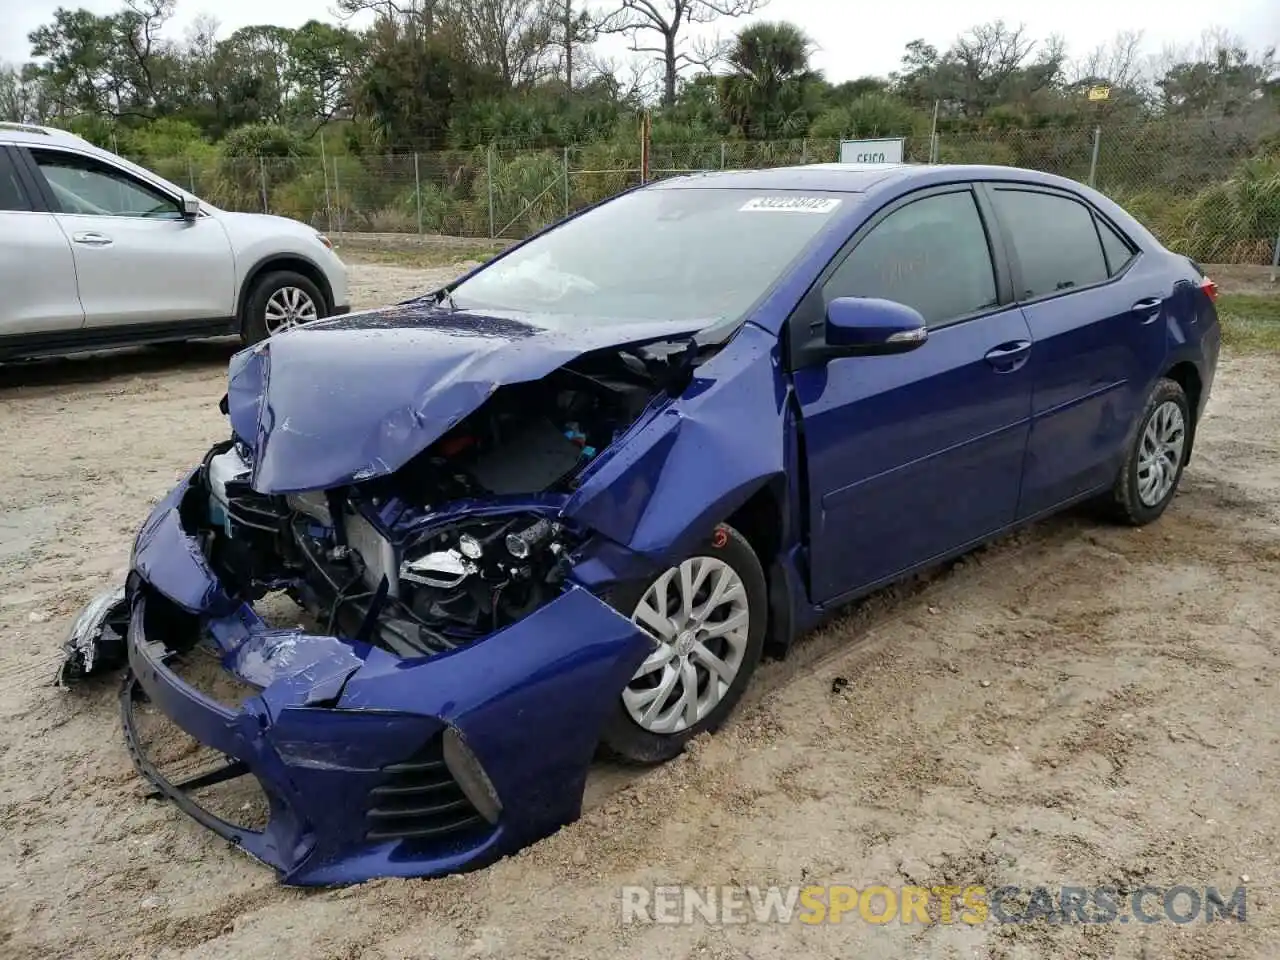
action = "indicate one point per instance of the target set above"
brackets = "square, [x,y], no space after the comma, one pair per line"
[445,296]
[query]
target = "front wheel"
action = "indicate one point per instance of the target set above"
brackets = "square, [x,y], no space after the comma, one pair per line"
[1153,467]
[707,618]
[280,301]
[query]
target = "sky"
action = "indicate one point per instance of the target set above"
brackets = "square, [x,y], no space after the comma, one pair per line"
[853,38]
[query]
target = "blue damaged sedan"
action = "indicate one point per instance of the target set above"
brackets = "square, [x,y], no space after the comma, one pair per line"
[565,504]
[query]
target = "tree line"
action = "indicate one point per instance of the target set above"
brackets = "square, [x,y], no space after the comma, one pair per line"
[431,74]
[500,98]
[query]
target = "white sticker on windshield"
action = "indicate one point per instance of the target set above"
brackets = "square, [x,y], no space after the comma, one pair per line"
[792,203]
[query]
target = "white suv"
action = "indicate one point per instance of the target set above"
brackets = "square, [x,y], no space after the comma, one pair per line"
[97,252]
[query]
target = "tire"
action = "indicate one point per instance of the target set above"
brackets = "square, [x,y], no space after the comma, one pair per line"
[688,651]
[1161,444]
[255,325]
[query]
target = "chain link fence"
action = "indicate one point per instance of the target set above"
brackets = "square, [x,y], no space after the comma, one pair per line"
[1211,191]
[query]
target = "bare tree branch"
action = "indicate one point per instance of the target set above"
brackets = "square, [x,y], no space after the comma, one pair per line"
[669,20]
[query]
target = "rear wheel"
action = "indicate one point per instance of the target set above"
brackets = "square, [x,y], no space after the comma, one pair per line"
[1153,467]
[279,301]
[707,617]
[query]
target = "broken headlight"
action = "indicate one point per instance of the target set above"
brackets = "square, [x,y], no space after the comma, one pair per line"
[483,575]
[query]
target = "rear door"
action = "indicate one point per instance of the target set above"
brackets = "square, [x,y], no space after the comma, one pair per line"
[916,455]
[37,273]
[138,261]
[1097,319]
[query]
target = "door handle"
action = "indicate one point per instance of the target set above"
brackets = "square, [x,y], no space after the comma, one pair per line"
[92,239]
[1149,308]
[1009,356]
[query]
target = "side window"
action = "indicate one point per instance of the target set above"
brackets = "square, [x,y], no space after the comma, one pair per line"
[12,196]
[1115,247]
[1055,241]
[85,186]
[931,254]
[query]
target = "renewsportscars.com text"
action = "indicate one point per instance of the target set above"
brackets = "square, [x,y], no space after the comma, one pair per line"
[971,905]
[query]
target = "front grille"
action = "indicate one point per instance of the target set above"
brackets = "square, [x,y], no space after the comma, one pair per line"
[419,798]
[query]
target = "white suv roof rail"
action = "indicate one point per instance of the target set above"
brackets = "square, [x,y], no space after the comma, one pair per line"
[37,130]
[22,127]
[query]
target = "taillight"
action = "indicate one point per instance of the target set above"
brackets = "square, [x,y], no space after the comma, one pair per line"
[1210,288]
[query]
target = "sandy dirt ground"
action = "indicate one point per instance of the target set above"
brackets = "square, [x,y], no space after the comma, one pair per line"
[1077,704]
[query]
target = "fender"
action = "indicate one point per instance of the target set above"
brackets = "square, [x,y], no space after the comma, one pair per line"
[313,273]
[695,461]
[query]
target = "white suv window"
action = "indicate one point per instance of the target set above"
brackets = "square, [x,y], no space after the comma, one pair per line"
[12,196]
[85,186]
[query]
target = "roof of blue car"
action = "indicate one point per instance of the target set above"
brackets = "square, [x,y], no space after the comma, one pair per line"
[849,177]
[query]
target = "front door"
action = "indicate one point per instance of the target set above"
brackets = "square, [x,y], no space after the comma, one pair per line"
[137,260]
[913,456]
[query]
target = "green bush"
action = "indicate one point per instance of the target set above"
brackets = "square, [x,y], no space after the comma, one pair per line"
[869,115]
[254,159]
[601,170]
[528,192]
[1161,211]
[976,149]
[1235,221]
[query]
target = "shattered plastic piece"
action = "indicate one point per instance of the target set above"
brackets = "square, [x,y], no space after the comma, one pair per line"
[96,642]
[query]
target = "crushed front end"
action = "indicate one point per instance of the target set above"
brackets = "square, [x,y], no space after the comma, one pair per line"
[443,705]
[372,763]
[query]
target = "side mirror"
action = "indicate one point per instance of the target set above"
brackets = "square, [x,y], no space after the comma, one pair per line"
[863,326]
[190,207]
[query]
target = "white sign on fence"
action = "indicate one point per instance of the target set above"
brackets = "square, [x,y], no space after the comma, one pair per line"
[888,150]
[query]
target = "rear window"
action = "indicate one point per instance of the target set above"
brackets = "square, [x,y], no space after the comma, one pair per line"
[1054,239]
[660,254]
[1117,249]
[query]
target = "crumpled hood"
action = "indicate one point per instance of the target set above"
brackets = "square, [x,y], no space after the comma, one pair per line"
[357,397]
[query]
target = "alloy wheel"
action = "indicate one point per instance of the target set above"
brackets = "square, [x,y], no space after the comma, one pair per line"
[1160,454]
[289,307]
[698,617]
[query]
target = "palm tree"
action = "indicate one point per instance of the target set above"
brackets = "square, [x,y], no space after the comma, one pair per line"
[766,91]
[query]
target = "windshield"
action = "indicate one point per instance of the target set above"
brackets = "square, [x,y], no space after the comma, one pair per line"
[665,254]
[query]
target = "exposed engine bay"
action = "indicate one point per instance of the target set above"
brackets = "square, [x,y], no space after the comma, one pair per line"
[398,561]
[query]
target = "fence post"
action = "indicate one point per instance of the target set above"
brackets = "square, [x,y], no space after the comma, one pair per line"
[721,154]
[262,169]
[324,169]
[1275,259]
[645,146]
[804,151]
[417,191]
[1093,163]
[191,174]
[566,181]
[489,181]
[337,195]
[933,133]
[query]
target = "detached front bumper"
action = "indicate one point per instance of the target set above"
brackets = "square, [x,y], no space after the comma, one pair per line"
[372,765]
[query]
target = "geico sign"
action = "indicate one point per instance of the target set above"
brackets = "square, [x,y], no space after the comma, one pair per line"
[871,151]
